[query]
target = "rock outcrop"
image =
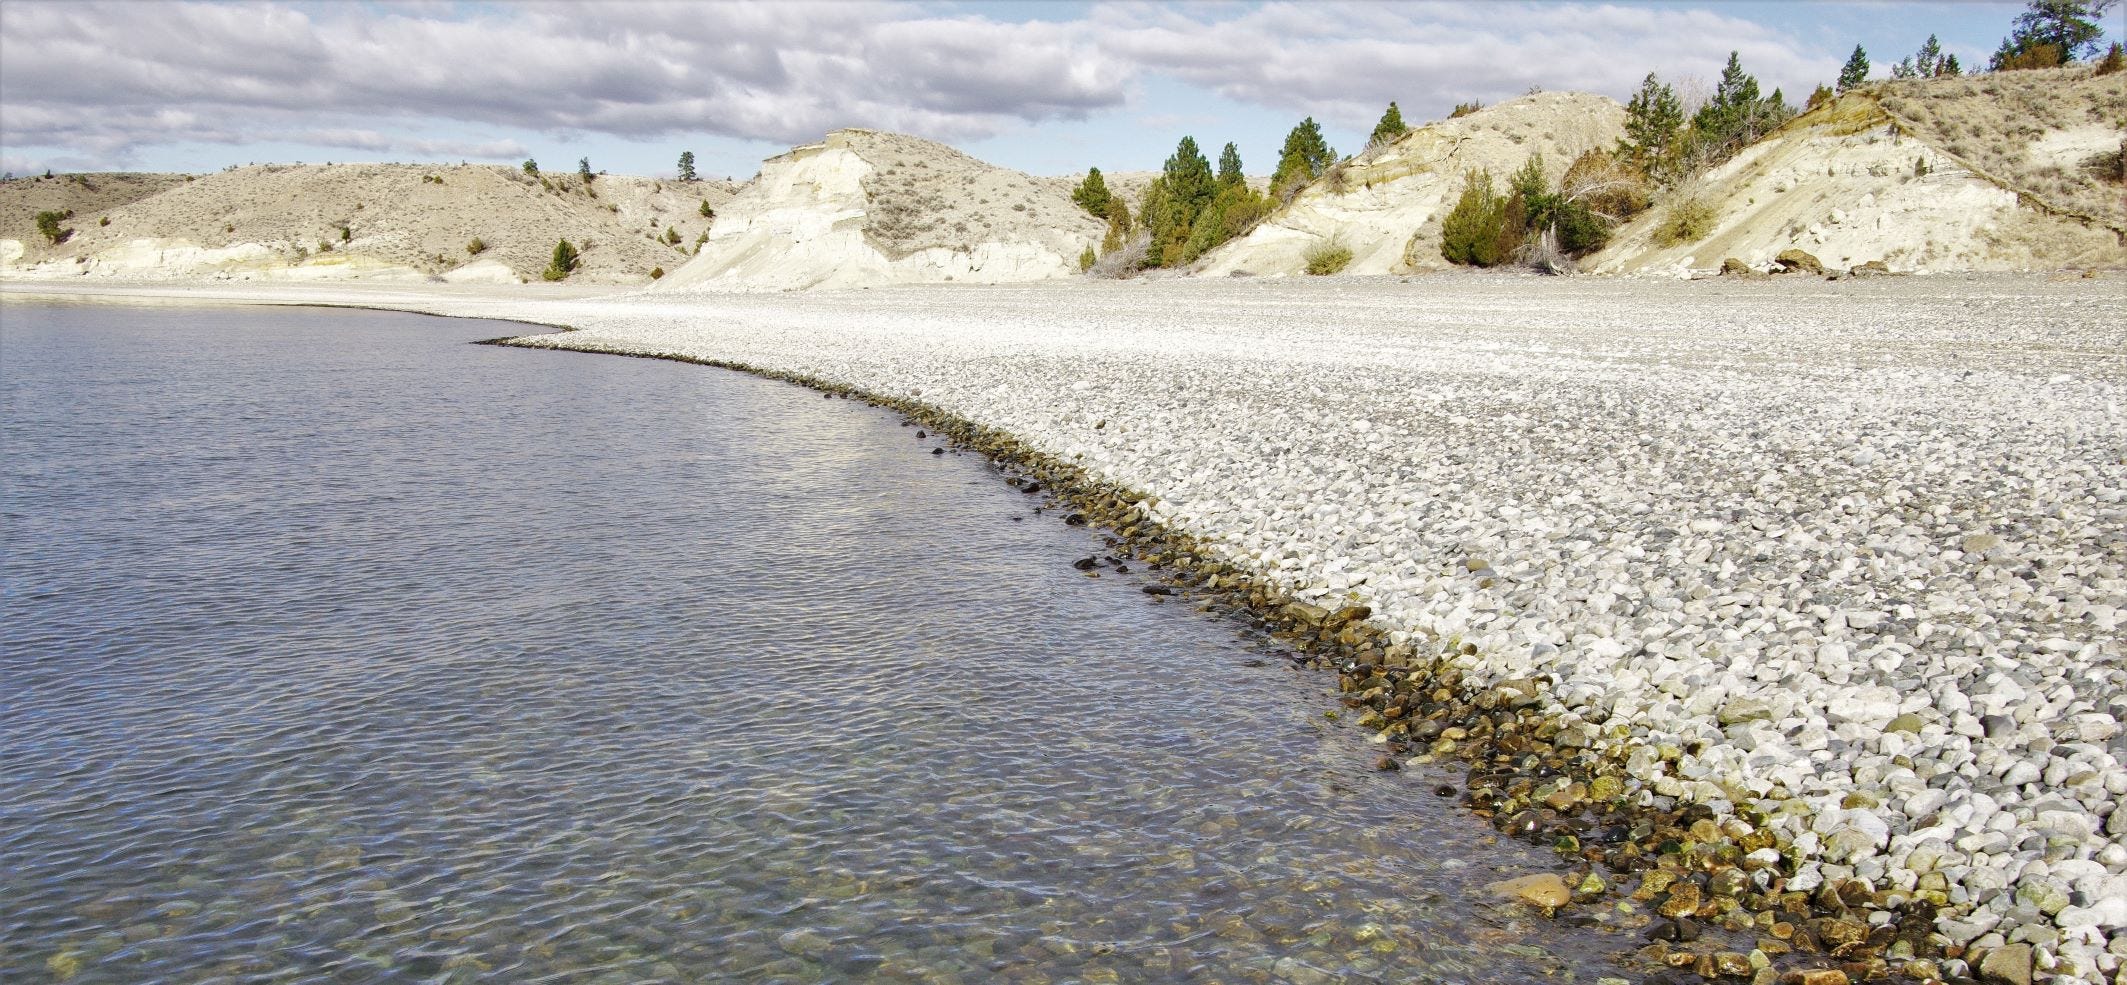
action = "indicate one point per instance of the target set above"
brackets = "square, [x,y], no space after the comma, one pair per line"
[865,207]
[1853,183]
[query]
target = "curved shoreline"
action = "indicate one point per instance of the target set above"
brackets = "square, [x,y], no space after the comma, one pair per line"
[1663,770]
[1521,776]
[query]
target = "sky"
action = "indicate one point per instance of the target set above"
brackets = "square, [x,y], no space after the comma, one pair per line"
[1048,88]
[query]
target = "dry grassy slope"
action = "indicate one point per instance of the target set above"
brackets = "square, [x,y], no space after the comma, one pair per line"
[865,207]
[88,196]
[1856,180]
[2054,134]
[1386,203]
[402,221]
[925,195]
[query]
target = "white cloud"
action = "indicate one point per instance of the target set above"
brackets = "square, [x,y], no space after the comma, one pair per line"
[105,80]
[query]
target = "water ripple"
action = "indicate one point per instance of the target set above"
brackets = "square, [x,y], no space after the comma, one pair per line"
[336,650]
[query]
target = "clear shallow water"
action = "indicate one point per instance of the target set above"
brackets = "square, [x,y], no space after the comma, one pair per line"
[333,649]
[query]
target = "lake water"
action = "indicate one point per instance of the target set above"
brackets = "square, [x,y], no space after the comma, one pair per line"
[334,649]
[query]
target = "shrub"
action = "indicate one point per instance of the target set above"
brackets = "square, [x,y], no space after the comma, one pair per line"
[1464,109]
[705,211]
[1688,220]
[2027,57]
[671,236]
[48,225]
[1610,188]
[563,263]
[1086,259]
[1328,257]
[1126,259]
[531,166]
[346,234]
[657,273]
[103,221]
[476,247]
[1470,233]
[2114,60]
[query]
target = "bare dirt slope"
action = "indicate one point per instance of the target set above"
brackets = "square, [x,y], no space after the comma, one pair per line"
[1999,172]
[1386,203]
[866,207]
[389,221]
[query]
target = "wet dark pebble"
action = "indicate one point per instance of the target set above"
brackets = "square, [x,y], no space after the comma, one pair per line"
[937,451]
[1157,590]
[1085,563]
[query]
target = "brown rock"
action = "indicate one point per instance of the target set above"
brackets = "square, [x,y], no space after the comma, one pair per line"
[1733,267]
[1792,261]
[1683,900]
[2009,964]
[1873,268]
[1816,976]
[1545,891]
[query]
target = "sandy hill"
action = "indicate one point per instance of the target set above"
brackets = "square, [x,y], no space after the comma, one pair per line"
[85,195]
[1387,202]
[865,207]
[2007,171]
[388,221]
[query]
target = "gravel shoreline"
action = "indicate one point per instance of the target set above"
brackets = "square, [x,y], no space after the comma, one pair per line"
[1834,575]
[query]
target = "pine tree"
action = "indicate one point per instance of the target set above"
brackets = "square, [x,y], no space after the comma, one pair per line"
[1390,127]
[531,167]
[2071,26]
[1735,115]
[1928,59]
[1230,175]
[686,165]
[1185,189]
[1302,159]
[583,170]
[1856,70]
[1950,66]
[1092,193]
[1652,120]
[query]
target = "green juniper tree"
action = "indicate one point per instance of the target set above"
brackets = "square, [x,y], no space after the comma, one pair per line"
[1092,194]
[563,263]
